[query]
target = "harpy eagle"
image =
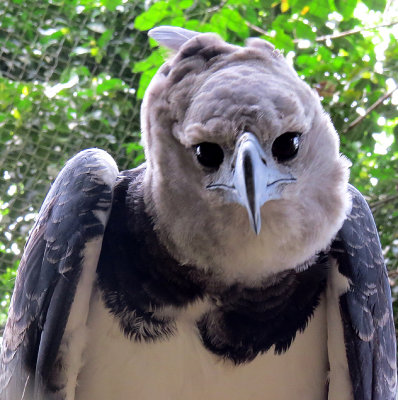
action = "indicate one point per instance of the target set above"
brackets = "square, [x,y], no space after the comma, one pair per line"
[237,263]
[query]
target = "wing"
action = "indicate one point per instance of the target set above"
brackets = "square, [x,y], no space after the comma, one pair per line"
[59,259]
[366,308]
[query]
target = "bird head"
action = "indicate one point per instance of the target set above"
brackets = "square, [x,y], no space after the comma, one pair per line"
[244,175]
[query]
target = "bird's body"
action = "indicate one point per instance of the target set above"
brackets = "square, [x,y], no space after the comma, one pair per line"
[172,356]
[181,368]
[237,263]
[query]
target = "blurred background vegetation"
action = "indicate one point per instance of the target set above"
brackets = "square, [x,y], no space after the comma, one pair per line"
[73,72]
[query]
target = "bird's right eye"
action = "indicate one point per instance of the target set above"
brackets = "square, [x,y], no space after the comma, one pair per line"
[209,155]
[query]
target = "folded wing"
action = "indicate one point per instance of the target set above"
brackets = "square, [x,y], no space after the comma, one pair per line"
[55,278]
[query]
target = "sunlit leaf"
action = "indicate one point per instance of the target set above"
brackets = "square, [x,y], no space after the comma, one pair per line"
[15,113]
[111,4]
[97,27]
[285,5]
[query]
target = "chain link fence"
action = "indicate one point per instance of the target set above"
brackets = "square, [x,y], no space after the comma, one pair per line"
[66,83]
[72,73]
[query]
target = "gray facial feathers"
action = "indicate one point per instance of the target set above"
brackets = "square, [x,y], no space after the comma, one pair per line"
[211,91]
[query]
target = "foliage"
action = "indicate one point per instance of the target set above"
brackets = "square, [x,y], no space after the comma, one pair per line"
[72,74]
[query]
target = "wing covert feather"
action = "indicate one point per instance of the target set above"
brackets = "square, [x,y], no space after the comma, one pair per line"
[366,308]
[73,214]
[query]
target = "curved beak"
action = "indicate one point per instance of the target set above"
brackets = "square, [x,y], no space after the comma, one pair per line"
[255,181]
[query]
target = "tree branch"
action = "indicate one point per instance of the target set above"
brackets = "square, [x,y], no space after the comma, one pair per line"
[369,110]
[217,7]
[377,204]
[257,29]
[353,32]
[320,38]
[207,11]
[393,274]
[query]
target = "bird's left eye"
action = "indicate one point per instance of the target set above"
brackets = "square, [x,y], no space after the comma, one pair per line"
[286,146]
[210,155]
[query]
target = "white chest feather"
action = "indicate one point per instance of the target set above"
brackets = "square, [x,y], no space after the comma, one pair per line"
[181,368]
[339,379]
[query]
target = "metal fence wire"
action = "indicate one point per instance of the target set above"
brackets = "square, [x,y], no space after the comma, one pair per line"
[66,83]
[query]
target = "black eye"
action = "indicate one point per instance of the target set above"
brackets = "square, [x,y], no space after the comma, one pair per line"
[209,154]
[286,146]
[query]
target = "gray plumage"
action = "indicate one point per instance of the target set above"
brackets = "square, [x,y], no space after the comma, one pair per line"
[236,263]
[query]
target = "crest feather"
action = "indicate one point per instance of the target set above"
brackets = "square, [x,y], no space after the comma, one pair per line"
[171,37]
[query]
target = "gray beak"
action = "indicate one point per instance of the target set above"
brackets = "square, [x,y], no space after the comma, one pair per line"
[255,181]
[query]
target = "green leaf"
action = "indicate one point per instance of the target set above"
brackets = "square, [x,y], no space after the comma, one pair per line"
[306,60]
[325,53]
[177,21]
[133,146]
[86,93]
[112,84]
[145,79]
[346,7]
[105,38]
[142,66]
[184,4]
[281,22]
[154,60]
[282,41]
[111,4]
[251,15]
[320,8]
[377,5]
[218,21]
[150,18]
[25,104]
[235,22]
[195,25]
[304,31]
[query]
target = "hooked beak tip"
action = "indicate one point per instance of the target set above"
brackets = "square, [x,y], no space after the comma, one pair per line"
[255,224]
